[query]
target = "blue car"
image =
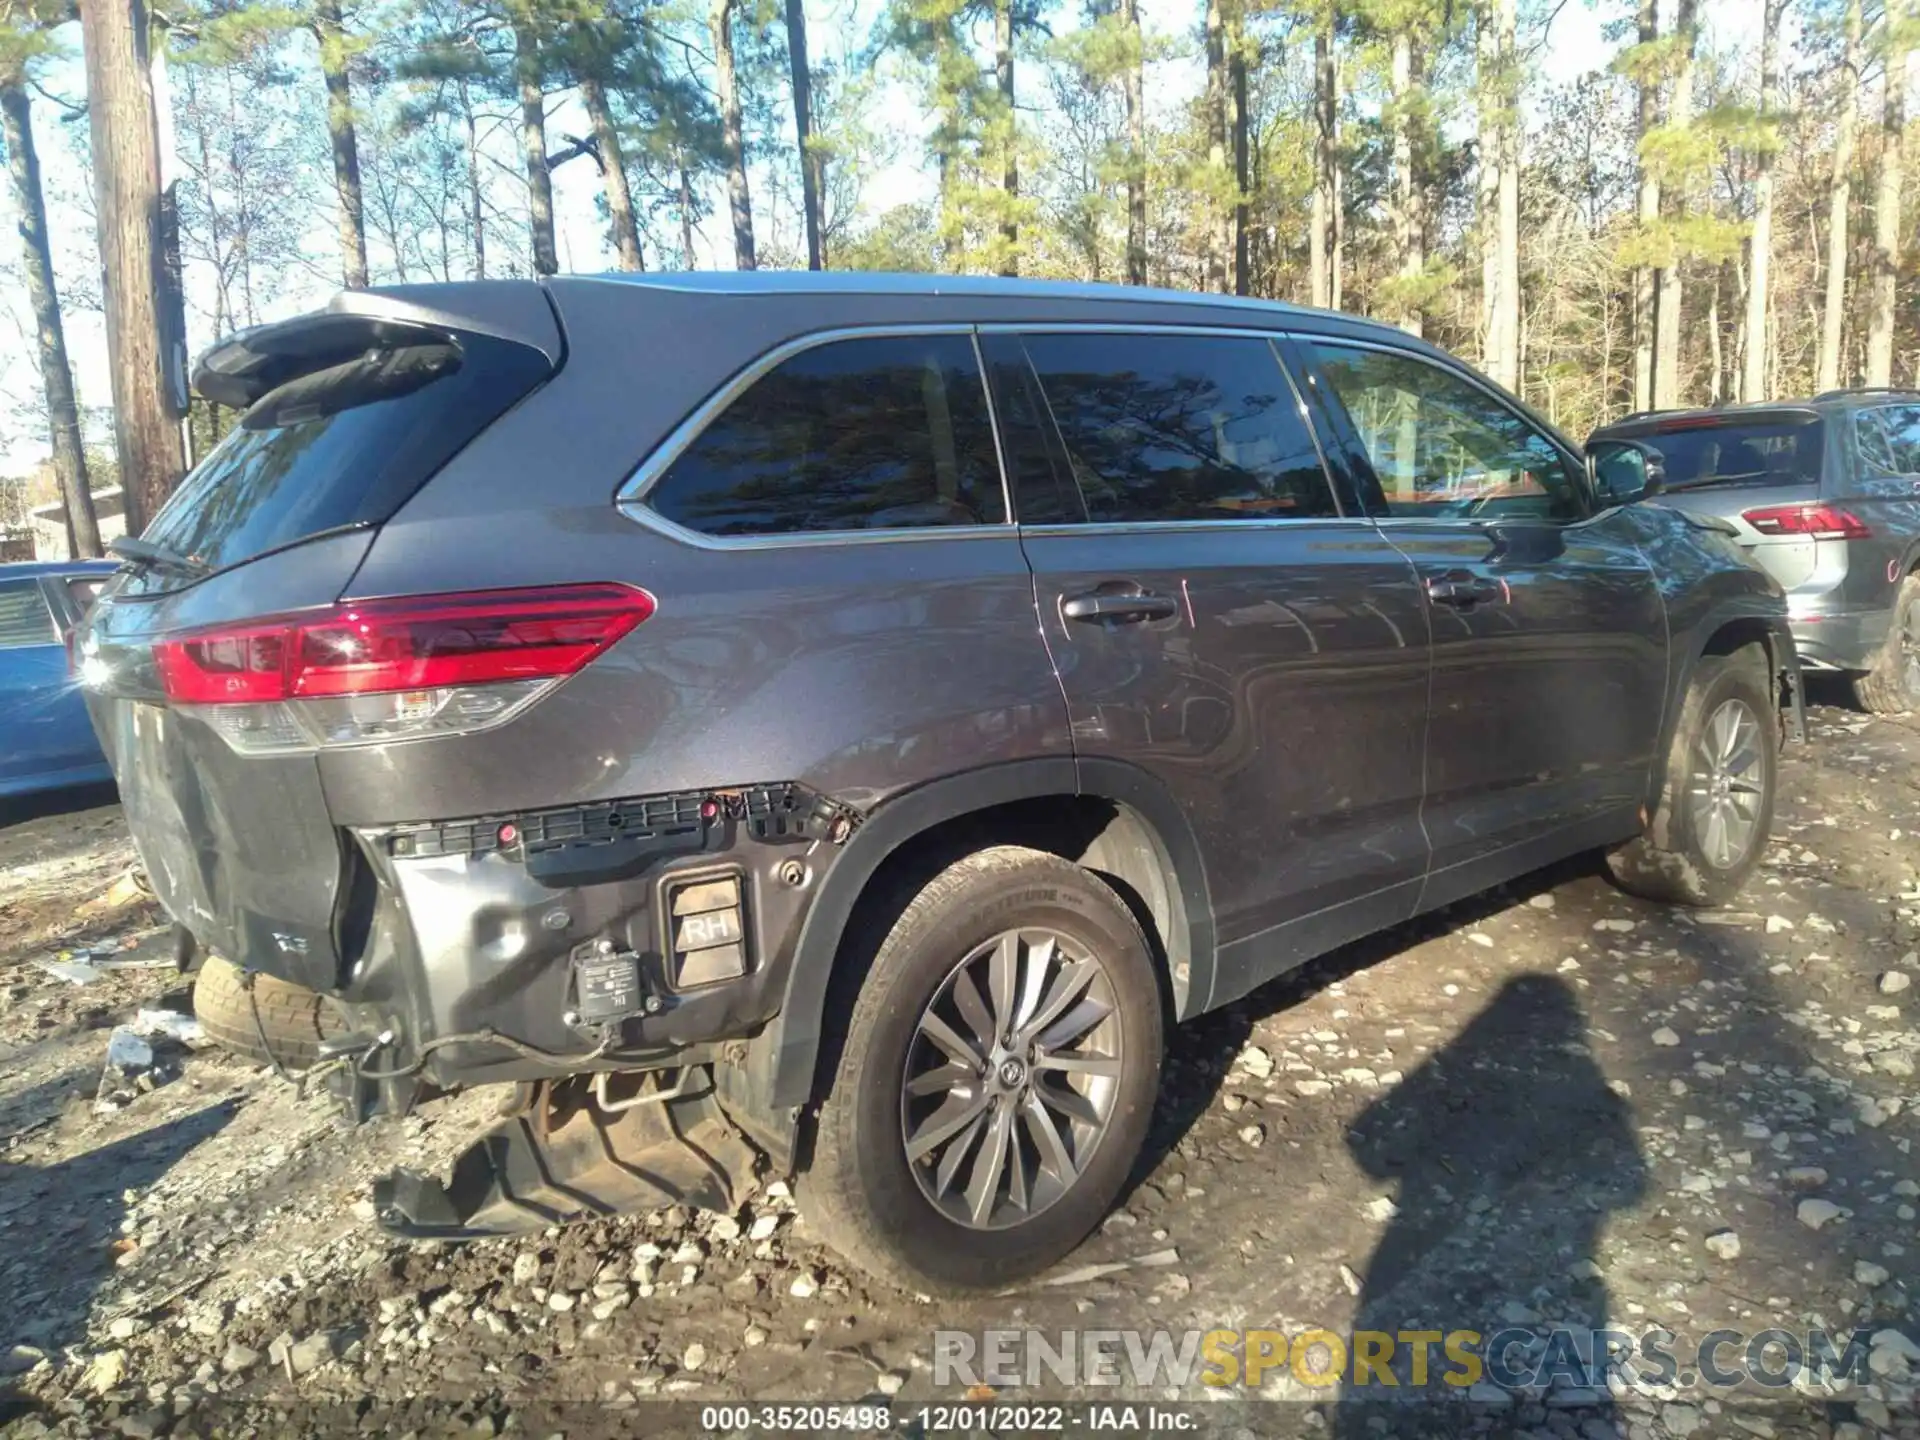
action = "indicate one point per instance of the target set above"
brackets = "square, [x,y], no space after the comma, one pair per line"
[46,739]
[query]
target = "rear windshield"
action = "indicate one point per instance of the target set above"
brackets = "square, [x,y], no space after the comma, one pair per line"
[341,446]
[1777,451]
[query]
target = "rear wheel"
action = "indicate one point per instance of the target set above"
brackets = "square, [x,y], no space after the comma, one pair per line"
[998,1074]
[294,1019]
[1892,687]
[1711,825]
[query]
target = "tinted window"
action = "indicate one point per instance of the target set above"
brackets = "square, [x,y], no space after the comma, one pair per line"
[24,617]
[887,433]
[1044,492]
[1180,427]
[1889,439]
[1441,445]
[346,444]
[1783,451]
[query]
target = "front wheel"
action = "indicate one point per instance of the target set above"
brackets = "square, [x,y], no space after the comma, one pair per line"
[998,1075]
[1710,827]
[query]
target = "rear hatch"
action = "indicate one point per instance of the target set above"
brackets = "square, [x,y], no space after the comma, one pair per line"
[1760,472]
[346,414]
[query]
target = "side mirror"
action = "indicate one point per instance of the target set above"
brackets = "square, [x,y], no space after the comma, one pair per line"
[1623,471]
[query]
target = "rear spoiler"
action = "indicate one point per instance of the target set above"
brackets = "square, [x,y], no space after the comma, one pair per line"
[247,364]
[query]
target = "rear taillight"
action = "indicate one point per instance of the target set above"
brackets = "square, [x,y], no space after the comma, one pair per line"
[365,672]
[1817,522]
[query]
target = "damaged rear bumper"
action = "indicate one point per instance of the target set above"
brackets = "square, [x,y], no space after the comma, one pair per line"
[613,936]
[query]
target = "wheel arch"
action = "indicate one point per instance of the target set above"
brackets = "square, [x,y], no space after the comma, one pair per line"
[1122,823]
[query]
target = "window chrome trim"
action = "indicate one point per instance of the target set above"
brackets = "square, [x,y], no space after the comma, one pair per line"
[1224,527]
[1517,408]
[653,520]
[630,498]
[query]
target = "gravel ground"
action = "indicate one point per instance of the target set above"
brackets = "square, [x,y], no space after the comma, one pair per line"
[1556,1105]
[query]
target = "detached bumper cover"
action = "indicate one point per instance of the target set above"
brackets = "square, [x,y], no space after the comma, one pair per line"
[564,1163]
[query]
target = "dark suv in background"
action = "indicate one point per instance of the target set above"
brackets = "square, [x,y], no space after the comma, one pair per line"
[1825,494]
[832,723]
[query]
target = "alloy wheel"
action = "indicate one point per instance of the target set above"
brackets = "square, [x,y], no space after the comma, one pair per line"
[1011,1078]
[1726,791]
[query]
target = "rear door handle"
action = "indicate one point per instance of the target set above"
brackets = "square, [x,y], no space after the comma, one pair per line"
[1129,608]
[1461,591]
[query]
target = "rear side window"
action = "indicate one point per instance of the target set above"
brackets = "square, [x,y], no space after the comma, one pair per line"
[1178,427]
[24,617]
[1775,451]
[885,433]
[347,444]
[1889,439]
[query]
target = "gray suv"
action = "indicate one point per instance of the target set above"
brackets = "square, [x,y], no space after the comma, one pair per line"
[831,725]
[1823,493]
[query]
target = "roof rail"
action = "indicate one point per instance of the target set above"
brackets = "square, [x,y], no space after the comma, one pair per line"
[1846,390]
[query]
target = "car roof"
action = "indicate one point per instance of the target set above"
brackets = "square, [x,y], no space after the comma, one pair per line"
[33,569]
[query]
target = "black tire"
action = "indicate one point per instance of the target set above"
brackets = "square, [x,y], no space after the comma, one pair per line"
[295,1019]
[860,1190]
[1672,862]
[1892,687]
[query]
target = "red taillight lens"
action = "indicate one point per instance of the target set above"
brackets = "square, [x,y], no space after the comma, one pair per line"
[427,642]
[1819,522]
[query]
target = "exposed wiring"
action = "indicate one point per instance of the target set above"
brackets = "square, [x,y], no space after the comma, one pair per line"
[485,1035]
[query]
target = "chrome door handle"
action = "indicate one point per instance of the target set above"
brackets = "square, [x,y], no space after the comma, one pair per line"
[1096,606]
[1461,593]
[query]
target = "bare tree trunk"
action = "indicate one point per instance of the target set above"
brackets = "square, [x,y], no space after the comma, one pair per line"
[1667,283]
[1133,83]
[1409,226]
[1320,241]
[686,214]
[1716,345]
[1839,200]
[626,233]
[811,180]
[1512,368]
[331,32]
[1644,285]
[1753,375]
[1886,212]
[56,375]
[533,143]
[1499,192]
[739,201]
[1242,177]
[477,210]
[126,177]
[1486,59]
[1009,159]
[1219,223]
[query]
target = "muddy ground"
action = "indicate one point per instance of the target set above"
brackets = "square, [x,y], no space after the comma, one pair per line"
[1556,1105]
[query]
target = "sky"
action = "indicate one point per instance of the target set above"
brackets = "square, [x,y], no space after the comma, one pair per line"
[1574,46]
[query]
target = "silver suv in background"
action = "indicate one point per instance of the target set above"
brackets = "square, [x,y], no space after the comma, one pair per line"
[1823,493]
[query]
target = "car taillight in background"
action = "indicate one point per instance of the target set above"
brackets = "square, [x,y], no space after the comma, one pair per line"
[366,672]
[1816,522]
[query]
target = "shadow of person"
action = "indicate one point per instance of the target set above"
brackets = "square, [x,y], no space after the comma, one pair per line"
[1509,1150]
[61,1221]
